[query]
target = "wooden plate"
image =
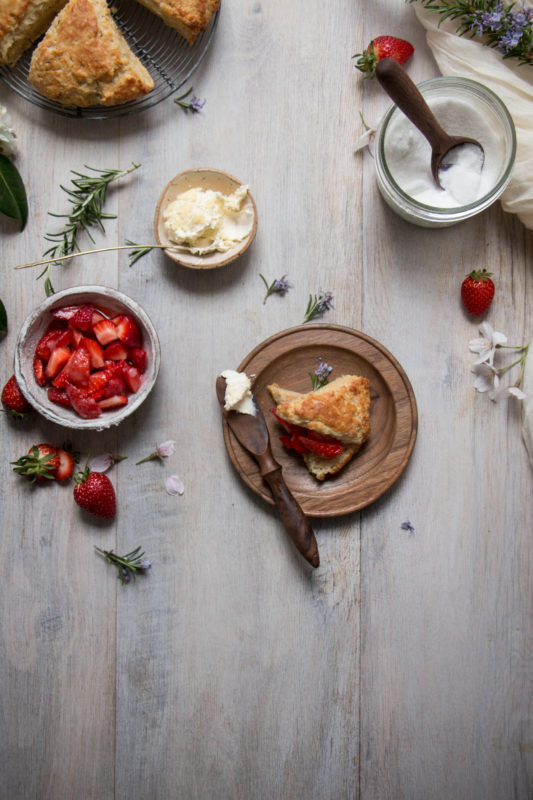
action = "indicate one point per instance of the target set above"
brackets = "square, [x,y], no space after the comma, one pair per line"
[287,358]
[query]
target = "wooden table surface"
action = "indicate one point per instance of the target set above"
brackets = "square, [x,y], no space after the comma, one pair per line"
[401,668]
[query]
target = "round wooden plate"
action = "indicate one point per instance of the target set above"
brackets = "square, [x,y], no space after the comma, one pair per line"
[287,358]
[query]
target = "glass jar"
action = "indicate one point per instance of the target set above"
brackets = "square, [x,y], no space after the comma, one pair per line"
[403,156]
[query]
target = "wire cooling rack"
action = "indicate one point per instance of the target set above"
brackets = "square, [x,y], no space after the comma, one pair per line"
[167,56]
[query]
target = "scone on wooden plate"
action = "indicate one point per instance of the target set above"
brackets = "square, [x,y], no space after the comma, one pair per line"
[328,425]
[21,24]
[188,17]
[84,60]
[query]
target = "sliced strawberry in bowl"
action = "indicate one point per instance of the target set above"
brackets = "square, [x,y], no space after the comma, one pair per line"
[132,378]
[128,330]
[96,353]
[56,362]
[115,401]
[78,368]
[138,358]
[85,406]
[116,351]
[83,318]
[38,371]
[105,331]
[59,396]
[114,386]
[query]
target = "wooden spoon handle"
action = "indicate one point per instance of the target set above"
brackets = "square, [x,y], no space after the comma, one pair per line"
[296,523]
[401,89]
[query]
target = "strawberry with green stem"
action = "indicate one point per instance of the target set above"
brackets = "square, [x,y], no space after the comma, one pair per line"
[383,47]
[95,493]
[477,291]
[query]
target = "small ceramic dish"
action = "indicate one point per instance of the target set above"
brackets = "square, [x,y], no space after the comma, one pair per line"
[205,178]
[111,303]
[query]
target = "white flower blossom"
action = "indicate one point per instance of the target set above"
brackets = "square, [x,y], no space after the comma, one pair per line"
[8,145]
[174,485]
[166,448]
[487,379]
[485,346]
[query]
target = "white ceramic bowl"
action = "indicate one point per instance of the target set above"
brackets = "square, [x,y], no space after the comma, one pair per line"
[202,178]
[111,302]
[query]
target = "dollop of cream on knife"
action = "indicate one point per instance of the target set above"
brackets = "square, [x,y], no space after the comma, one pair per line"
[238,395]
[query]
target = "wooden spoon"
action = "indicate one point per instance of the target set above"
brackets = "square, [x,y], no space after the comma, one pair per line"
[401,89]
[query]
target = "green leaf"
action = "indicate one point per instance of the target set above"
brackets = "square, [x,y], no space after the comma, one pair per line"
[3,317]
[48,288]
[13,200]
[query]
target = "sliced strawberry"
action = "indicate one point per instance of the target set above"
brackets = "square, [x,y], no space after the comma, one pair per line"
[38,371]
[83,318]
[116,351]
[46,344]
[58,396]
[115,401]
[78,368]
[65,312]
[97,317]
[97,380]
[138,358]
[322,449]
[293,443]
[58,358]
[65,467]
[289,427]
[97,395]
[128,330]
[132,378]
[105,331]
[85,406]
[96,354]
[115,385]
[61,379]
[77,336]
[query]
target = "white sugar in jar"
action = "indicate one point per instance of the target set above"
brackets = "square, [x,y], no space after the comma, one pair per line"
[403,156]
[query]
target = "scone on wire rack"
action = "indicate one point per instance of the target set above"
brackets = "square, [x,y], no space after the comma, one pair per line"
[21,24]
[84,60]
[188,17]
[326,426]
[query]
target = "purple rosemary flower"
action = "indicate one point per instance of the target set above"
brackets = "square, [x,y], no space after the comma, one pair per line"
[321,374]
[194,104]
[510,40]
[492,20]
[406,526]
[126,565]
[279,286]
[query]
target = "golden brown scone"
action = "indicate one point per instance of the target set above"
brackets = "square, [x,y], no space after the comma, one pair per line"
[188,17]
[339,409]
[21,24]
[84,60]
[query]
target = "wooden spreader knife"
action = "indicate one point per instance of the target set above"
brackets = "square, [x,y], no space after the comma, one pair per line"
[251,431]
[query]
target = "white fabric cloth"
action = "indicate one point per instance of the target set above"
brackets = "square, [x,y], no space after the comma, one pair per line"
[513,83]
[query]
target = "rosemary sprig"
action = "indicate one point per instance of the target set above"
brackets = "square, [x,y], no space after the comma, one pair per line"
[87,198]
[128,564]
[278,286]
[195,104]
[141,250]
[506,28]
[318,305]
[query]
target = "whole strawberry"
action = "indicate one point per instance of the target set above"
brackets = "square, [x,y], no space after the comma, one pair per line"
[383,47]
[477,291]
[13,400]
[39,465]
[94,492]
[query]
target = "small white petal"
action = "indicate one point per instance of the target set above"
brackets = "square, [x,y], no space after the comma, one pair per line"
[366,139]
[166,449]
[517,392]
[174,485]
[100,463]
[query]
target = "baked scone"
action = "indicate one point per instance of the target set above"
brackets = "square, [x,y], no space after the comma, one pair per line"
[188,17]
[339,411]
[84,60]
[21,24]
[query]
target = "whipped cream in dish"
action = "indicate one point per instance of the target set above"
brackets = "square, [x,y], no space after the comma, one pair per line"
[204,221]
